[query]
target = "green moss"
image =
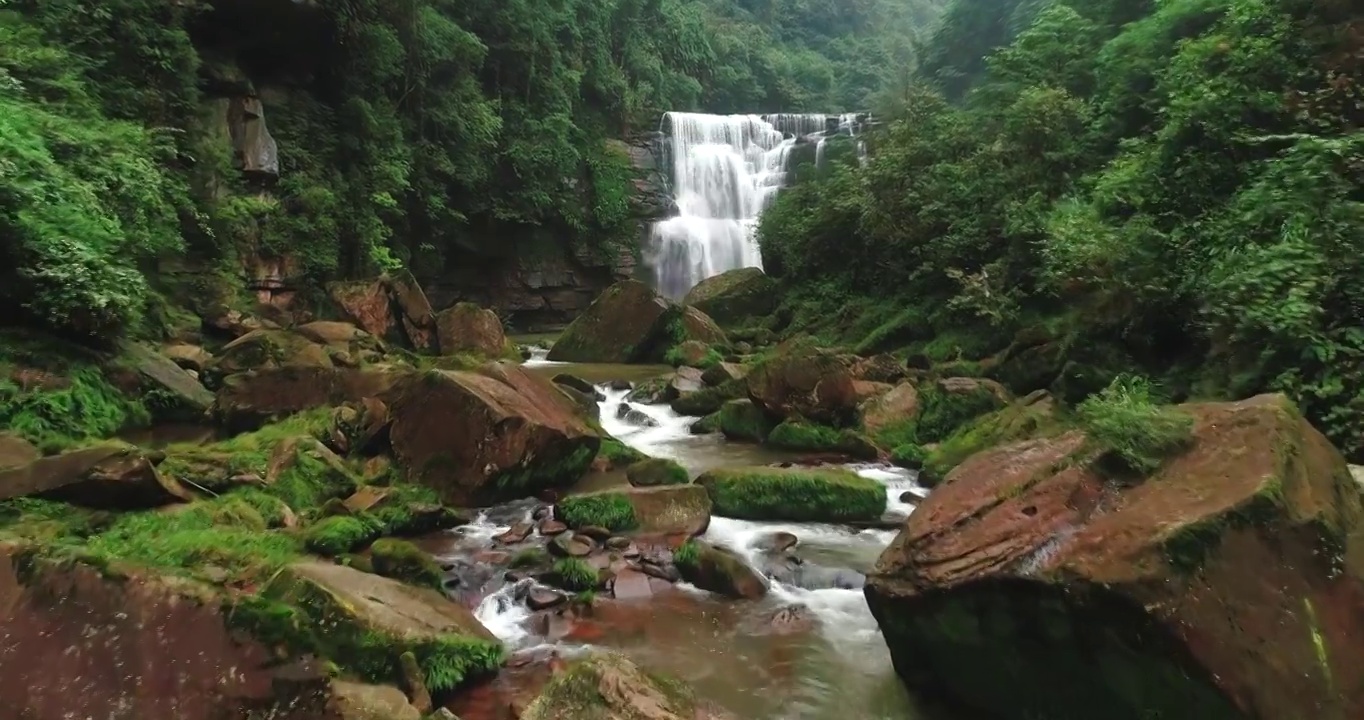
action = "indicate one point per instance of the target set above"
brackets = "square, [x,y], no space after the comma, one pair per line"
[618,454]
[657,471]
[909,455]
[575,574]
[742,420]
[709,400]
[769,493]
[529,557]
[401,560]
[793,434]
[706,425]
[536,474]
[1133,433]
[1017,422]
[688,555]
[612,511]
[338,535]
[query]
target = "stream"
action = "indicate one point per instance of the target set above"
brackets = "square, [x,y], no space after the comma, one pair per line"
[809,650]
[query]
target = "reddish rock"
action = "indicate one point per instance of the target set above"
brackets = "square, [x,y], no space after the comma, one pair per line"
[631,585]
[691,353]
[813,383]
[391,307]
[467,328]
[415,311]
[16,452]
[552,527]
[623,325]
[698,327]
[269,349]
[1228,584]
[367,304]
[901,404]
[618,690]
[496,434]
[249,400]
[112,476]
[517,533]
[154,648]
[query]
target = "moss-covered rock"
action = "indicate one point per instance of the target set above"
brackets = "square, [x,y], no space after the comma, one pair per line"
[626,323]
[606,686]
[468,328]
[795,494]
[735,297]
[657,471]
[401,560]
[719,571]
[706,425]
[792,434]
[665,509]
[1030,585]
[743,420]
[1030,417]
[705,401]
[802,380]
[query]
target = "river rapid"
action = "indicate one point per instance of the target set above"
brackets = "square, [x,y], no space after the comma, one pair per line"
[831,663]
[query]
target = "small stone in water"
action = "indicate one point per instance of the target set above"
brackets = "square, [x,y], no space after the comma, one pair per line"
[518,533]
[544,598]
[599,534]
[618,542]
[552,527]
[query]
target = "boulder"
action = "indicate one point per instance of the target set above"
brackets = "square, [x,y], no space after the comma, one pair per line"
[736,296]
[652,391]
[1226,585]
[803,380]
[579,384]
[159,373]
[468,328]
[793,494]
[899,405]
[138,645]
[693,353]
[358,701]
[189,357]
[392,307]
[249,400]
[414,310]
[698,327]
[685,381]
[112,476]
[720,571]
[661,510]
[721,373]
[262,349]
[744,420]
[879,368]
[16,452]
[606,686]
[710,399]
[657,471]
[623,325]
[631,416]
[497,434]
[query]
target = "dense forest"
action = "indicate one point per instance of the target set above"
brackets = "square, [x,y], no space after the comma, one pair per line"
[408,133]
[1076,189]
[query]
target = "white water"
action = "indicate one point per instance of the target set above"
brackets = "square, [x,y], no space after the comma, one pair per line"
[726,170]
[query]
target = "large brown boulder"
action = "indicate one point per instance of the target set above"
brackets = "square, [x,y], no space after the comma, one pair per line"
[109,476]
[392,307]
[625,324]
[737,296]
[1230,584]
[496,434]
[606,686]
[263,349]
[249,400]
[16,451]
[720,571]
[468,328]
[899,405]
[810,382]
[142,646]
[699,327]
[159,373]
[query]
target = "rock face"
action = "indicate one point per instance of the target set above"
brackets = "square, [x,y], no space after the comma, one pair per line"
[111,476]
[816,384]
[467,328]
[1228,585]
[497,434]
[254,152]
[145,648]
[623,325]
[160,372]
[735,296]
[606,686]
[248,400]
[700,327]
[392,307]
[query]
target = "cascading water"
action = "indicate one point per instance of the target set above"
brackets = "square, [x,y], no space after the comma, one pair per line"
[726,169]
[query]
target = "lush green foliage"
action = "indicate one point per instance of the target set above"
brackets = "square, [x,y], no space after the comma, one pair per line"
[1097,187]
[765,493]
[338,535]
[612,511]
[1131,428]
[688,555]
[575,574]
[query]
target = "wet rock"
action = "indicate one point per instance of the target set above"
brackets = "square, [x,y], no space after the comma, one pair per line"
[778,542]
[790,620]
[1184,577]
[112,476]
[188,357]
[735,296]
[496,434]
[467,328]
[550,527]
[652,391]
[622,325]
[517,533]
[631,416]
[572,545]
[724,372]
[744,420]
[158,372]
[685,381]
[248,400]
[16,452]
[794,494]
[542,512]
[909,496]
[707,425]
[720,571]
[586,404]
[663,510]
[816,384]
[656,471]
[631,585]
[609,687]
[356,701]
[600,534]
[580,385]
[667,572]
[541,598]
[620,385]
[617,543]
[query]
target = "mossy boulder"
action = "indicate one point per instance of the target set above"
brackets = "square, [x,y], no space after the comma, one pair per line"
[182,396]
[657,471]
[110,476]
[247,401]
[794,494]
[496,434]
[625,324]
[806,381]
[736,296]
[607,686]
[1031,417]
[468,328]
[708,400]
[661,510]
[743,420]
[401,560]
[698,327]
[899,405]
[719,571]
[1031,585]
[793,434]
[261,349]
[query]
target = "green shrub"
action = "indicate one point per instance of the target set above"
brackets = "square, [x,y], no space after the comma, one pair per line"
[1133,432]
[942,412]
[612,511]
[401,560]
[339,535]
[770,493]
[657,471]
[575,574]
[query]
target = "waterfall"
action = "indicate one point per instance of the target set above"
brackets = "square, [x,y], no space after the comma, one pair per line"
[726,169]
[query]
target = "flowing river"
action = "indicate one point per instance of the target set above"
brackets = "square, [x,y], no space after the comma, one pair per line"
[835,664]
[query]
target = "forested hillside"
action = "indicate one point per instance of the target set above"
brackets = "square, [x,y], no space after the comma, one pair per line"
[1076,189]
[409,133]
